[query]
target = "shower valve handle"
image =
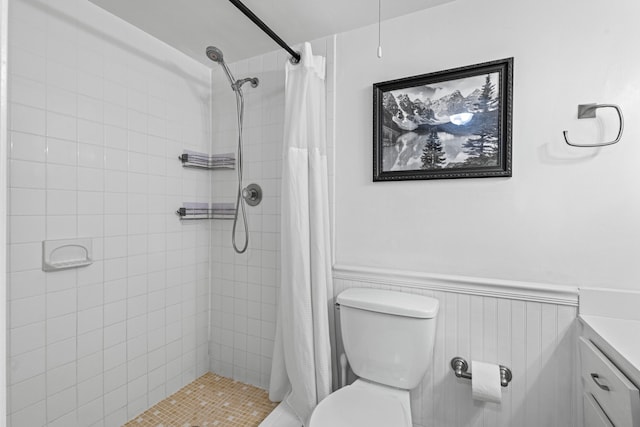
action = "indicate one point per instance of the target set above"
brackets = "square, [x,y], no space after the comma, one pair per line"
[252,194]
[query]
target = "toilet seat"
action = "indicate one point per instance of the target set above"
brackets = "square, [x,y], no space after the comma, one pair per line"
[363,405]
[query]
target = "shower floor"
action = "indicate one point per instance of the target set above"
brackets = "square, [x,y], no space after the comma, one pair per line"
[209,401]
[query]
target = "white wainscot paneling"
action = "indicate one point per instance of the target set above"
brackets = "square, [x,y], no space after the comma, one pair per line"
[536,339]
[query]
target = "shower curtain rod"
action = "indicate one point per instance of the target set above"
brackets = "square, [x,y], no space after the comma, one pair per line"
[249,14]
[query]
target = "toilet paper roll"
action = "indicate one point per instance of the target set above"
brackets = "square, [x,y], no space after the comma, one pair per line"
[485,382]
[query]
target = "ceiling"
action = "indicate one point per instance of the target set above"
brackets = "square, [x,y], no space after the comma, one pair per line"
[192,25]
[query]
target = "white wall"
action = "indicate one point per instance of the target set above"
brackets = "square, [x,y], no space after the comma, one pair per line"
[245,287]
[568,215]
[99,113]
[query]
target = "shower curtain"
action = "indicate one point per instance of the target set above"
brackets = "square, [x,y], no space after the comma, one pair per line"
[301,368]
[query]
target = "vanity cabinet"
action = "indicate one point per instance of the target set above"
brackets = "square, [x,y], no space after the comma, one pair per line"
[609,386]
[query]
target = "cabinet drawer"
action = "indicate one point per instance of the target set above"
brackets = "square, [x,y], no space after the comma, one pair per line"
[593,415]
[617,396]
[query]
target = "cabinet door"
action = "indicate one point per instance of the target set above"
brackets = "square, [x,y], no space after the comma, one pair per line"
[593,415]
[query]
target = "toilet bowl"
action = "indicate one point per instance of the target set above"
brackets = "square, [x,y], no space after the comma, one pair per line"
[364,404]
[388,338]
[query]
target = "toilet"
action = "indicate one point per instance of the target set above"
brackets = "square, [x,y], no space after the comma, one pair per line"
[388,338]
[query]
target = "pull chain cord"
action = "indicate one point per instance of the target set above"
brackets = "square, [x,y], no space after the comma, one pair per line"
[379,28]
[239,199]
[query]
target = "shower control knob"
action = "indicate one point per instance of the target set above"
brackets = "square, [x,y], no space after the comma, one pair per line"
[252,194]
[249,194]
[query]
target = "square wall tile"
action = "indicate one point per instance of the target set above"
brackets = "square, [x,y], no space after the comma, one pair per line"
[94,154]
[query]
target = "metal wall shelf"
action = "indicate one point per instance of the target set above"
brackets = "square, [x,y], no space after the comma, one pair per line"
[196,210]
[215,212]
[204,161]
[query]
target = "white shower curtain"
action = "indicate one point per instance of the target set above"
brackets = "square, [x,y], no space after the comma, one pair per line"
[301,369]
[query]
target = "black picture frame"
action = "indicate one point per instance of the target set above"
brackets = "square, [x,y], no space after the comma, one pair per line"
[448,124]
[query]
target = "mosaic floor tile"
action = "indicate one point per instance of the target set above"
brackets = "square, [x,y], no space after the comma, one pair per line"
[209,401]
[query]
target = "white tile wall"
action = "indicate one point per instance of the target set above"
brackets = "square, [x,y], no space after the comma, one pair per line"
[245,287]
[99,113]
[535,340]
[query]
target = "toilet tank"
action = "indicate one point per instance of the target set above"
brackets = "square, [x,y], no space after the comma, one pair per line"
[388,336]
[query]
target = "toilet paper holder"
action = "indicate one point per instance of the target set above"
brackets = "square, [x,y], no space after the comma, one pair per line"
[460,368]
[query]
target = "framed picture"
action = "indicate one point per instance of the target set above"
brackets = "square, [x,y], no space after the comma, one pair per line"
[449,124]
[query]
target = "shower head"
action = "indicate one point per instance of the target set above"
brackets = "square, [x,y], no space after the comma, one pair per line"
[215,54]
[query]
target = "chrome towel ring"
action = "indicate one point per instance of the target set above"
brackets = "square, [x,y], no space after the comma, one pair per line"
[588,111]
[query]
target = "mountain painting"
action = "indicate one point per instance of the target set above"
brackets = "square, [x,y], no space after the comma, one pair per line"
[435,127]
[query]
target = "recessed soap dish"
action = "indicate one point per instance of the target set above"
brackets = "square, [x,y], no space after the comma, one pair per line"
[67,253]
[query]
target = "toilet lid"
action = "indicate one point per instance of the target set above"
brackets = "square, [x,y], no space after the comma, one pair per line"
[356,406]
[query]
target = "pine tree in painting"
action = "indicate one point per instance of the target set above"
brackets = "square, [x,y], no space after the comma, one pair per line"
[484,145]
[486,102]
[432,155]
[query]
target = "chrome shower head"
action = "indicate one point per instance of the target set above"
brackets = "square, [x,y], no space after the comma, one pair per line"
[215,54]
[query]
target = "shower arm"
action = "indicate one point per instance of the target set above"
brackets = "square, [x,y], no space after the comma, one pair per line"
[238,84]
